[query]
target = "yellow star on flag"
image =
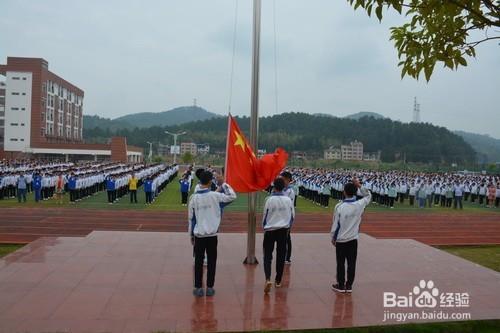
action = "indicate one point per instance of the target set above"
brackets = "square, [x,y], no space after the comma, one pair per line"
[239,140]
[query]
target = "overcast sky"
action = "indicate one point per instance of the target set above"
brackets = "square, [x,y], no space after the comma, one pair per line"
[135,56]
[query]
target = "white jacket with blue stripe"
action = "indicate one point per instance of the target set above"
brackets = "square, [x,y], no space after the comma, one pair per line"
[205,210]
[347,217]
[278,212]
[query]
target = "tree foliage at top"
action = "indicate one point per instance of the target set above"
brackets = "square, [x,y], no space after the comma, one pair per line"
[437,31]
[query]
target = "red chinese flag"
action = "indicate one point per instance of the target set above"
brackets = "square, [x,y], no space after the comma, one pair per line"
[244,171]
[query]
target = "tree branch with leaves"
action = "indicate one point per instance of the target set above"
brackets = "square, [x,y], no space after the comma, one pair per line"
[437,31]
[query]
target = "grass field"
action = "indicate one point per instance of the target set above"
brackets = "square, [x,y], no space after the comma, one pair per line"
[485,255]
[5,249]
[473,326]
[169,200]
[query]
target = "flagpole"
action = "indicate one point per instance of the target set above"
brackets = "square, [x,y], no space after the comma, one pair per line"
[224,172]
[254,128]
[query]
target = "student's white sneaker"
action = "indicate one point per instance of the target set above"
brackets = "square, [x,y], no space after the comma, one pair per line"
[268,286]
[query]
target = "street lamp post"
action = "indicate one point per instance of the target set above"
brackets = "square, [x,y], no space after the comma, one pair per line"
[150,155]
[175,135]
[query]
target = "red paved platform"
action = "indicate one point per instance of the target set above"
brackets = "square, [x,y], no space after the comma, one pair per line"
[142,282]
[461,228]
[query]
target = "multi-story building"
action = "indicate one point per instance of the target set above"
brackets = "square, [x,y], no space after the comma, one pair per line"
[373,157]
[203,148]
[42,113]
[189,147]
[353,151]
[332,153]
[2,112]
[163,150]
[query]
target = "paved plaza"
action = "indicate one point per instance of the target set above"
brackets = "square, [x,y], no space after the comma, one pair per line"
[116,281]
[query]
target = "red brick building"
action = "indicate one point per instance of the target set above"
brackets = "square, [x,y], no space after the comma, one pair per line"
[41,114]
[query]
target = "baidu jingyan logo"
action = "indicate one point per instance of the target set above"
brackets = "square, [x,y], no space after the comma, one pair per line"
[425,295]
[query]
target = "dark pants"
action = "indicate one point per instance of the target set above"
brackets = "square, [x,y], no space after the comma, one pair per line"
[149,197]
[288,246]
[412,200]
[21,194]
[458,201]
[38,194]
[204,245]
[184,197]
[110,196]
[391,201]
[133,196]
[346,251]
[278,236]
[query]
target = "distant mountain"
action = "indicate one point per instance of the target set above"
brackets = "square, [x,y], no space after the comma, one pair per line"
[176,116]
[359,115]
[104,123]
[487,147]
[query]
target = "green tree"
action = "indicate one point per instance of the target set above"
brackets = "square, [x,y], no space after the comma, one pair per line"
[158,159]
[437,30]
[187,158]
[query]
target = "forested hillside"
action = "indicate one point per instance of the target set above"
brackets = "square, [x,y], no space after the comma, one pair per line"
[305,132]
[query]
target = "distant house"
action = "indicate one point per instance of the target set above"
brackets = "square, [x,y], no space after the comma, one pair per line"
[300,155]
[163,150]
[352,152]
[373,157]
[189,147]
[332,153]
[203,148]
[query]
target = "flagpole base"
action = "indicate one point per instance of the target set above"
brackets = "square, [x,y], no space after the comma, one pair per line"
[250,261]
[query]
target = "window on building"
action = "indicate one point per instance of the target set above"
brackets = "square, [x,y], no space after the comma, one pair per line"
[22,124]
[23,109]
[13,139]
[15,93]
[24,94]
[22,139]
[14,109]
[15,78]
[24,78]
[14,124]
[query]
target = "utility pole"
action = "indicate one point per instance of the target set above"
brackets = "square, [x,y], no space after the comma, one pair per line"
[254,130]
[175,135]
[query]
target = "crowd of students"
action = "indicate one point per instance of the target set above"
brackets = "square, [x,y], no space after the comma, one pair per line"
[53,179]
[422,189]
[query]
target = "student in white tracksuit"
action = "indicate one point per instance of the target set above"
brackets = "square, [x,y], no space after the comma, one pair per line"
[345,233]
[278,218]
[289,192]
[205,212]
